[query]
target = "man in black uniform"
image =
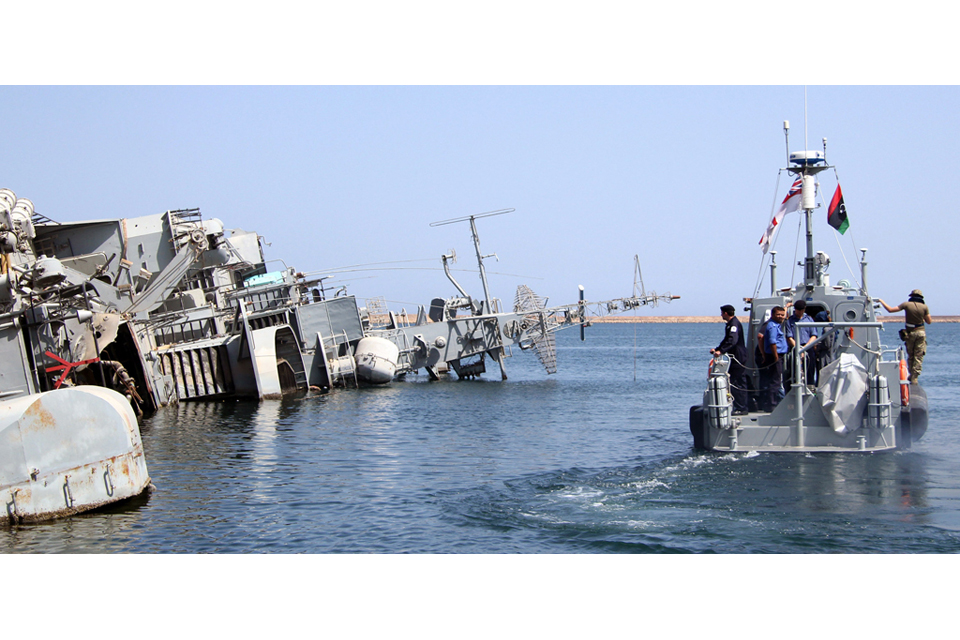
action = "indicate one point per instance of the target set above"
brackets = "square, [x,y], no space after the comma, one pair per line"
[733,346]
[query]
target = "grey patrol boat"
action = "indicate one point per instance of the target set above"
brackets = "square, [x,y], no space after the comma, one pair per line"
[862,399]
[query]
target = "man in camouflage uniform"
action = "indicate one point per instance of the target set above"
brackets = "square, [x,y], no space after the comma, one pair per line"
[914,334]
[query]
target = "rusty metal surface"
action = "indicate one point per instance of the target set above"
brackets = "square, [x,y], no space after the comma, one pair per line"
[67,451]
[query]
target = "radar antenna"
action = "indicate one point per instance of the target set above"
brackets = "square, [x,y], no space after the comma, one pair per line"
[540,326]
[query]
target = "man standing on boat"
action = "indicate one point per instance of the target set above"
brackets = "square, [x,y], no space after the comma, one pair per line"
[914,335]
[733,346]
[807,335]
[772,344]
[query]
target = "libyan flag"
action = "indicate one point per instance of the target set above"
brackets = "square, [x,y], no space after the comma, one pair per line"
[837,213]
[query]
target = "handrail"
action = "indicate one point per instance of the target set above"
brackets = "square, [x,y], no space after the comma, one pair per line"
[831,325]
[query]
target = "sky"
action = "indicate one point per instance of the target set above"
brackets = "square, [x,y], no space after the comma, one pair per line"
[685,177]
[340,146]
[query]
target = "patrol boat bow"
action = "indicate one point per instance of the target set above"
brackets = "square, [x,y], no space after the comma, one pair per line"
[862,401]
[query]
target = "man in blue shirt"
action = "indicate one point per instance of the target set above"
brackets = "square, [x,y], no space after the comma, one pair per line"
[807,335]
[772,345]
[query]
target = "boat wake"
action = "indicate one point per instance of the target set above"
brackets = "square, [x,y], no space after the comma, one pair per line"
[646,509]
[708,503]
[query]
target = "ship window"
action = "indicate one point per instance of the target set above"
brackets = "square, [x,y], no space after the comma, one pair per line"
[850,315]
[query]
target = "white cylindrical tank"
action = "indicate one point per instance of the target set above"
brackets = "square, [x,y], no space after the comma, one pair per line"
[7,200]
[720,402]
[376,360]
[808,197]
[878,409]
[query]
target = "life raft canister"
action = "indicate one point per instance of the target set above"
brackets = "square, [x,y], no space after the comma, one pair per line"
[904,384]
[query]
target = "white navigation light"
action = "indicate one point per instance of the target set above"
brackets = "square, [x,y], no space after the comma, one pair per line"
[805,158]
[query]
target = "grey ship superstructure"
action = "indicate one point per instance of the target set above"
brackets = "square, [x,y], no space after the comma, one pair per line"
[233,329]
[69,436]
[206,319]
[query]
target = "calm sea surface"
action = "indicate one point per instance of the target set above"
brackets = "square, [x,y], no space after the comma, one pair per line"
[597,458]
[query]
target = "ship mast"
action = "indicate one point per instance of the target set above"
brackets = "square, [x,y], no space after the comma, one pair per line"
[806,165]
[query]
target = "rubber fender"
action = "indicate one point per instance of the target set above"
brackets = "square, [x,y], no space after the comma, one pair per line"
[698,427]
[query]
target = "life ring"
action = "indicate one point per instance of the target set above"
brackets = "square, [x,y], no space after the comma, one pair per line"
[710,369]
[904,384]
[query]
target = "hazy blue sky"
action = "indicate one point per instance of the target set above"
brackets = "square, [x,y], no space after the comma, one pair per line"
[359,125]
[683,176]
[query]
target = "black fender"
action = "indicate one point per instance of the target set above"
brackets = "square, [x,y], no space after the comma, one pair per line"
[913,422]
[698,427]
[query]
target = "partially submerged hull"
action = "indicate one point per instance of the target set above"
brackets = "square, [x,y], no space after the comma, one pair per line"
[67,451]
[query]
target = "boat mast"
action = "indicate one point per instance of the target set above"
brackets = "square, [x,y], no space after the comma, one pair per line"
[487,304]
[806,165]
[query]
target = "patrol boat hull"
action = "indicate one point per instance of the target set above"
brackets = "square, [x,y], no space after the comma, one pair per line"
[778,431]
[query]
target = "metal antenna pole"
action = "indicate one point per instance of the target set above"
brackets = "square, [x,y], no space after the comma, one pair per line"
[863,271]
[773,273]
[488,307]
[476,244]
[805,145]
[638,277]
[810,278]
[786,138]
[580,309]
[496,352]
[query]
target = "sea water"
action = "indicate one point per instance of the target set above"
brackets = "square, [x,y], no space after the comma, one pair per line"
[594,459]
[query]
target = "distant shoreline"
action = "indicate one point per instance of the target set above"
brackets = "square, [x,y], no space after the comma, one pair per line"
[716,319]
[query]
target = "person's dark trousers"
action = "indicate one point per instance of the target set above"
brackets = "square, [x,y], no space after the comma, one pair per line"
[775,384]
[771,380]
[738,380]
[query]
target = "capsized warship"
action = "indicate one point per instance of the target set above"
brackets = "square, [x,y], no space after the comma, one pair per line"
[69,437]
[862,399]
[105,321]
[460,333]
[208,321]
